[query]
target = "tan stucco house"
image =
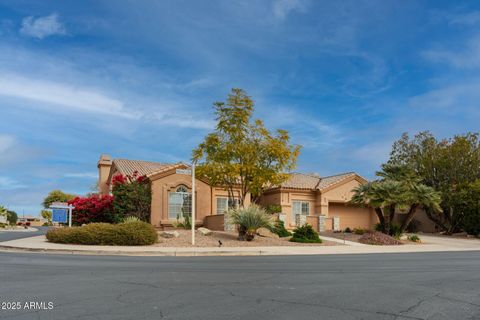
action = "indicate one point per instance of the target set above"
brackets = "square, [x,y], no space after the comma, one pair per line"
[303,198]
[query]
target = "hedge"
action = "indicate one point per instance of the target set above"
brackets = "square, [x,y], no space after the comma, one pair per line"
[123,234]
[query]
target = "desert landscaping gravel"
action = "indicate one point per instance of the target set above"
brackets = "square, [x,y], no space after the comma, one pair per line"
[229,239]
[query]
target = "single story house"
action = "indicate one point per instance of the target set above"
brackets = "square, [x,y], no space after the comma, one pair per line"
[302,198]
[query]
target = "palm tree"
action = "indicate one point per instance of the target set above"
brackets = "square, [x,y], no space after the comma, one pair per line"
[399,188]
[421,196]
[385,196]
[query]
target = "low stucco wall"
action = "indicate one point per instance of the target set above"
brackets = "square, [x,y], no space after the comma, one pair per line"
[214,222]
[421,221]
[313,221]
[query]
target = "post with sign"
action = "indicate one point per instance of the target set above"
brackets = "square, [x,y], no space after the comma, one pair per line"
[193,204]
[59,212]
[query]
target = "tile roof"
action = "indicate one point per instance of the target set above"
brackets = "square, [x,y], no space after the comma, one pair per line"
[128,167]
[313,182]
[295,181]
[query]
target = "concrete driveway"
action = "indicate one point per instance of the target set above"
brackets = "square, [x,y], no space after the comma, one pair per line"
[448,241]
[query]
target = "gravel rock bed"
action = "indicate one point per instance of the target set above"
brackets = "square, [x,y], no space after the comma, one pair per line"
[229,239]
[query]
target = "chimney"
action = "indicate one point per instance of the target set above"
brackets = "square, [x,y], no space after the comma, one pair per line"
[104,165]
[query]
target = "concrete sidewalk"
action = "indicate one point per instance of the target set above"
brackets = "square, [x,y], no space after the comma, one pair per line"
[430,244]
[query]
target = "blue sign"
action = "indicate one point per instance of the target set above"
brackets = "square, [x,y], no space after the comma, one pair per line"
[59,215]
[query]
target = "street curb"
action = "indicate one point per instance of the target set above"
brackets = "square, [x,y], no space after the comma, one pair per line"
[193,253]
[4,248]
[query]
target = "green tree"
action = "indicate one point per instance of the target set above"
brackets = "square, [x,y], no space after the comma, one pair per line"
[398,189]
[46,214]
[469,206]
[242,153]
[12,217]
[445,165]
[56,196]
[131,197]
[3,212]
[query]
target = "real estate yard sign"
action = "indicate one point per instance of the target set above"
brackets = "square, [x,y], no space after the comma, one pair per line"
[60,210]
[59,215]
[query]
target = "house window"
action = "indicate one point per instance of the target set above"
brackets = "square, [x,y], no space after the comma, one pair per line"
[224,204]
[179,203]
[301,209]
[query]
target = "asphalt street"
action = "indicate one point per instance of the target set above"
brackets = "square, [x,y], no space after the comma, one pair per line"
[380,286]
[11,235]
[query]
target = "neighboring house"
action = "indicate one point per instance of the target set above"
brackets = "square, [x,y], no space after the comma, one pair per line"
[303,198]
[34,221]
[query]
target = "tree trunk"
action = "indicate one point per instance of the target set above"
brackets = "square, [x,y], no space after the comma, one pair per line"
[381,218]
[386,226]
[408,218]
[435,220]
[389,219]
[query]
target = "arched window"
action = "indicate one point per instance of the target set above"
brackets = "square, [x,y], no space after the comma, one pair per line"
[182,188]
[179,203]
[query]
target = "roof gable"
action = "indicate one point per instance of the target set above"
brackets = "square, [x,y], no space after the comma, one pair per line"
[143,168]
[312,182]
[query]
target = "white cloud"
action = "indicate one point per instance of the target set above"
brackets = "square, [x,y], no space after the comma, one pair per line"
[375,153]
[471,18]
[465,58]
[282,8]
[7,183]
[42,27]
[462,96]
[6,143]
[183,121]
[62,95]
[81,175]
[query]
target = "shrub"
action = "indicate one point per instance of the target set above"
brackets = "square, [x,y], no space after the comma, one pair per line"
[136,233]
[183,223]
[47,224]
[273,208]
[12,217]
[132,196]
[279,229]
[471,223]
[348,230]
[2,225]
[359,231]
[130,219]
[94,209]
[414,238]
[249,220]
[395,230]
[378,238]
[305,234]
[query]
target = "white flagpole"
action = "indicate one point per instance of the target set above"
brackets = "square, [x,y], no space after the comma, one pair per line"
[193,204]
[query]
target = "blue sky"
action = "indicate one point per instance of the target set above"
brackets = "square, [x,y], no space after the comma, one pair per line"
[136,79]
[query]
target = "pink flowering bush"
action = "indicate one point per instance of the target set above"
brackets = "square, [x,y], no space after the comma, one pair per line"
[95,208]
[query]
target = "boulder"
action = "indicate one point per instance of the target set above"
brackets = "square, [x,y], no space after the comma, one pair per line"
[169,234]
[264,232]
[205,231]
